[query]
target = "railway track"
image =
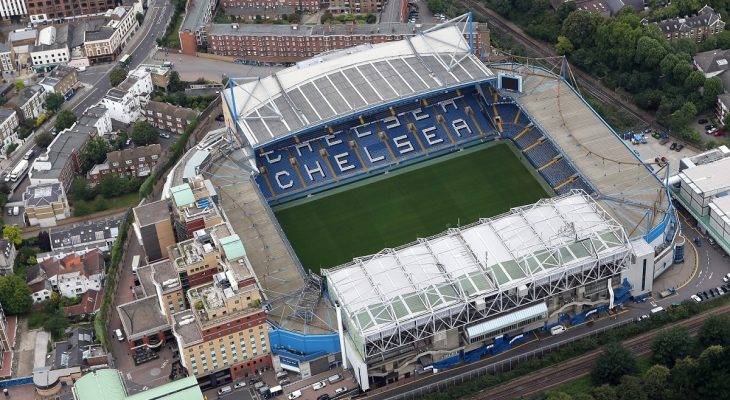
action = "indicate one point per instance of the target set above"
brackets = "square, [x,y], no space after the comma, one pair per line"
[543,50]
[581,366]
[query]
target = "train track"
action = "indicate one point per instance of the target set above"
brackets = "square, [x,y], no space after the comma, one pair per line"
[581,366]
[543,50]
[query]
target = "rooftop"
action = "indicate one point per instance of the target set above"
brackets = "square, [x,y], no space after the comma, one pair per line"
[197,14]
[64,145]
[710,178]
[43,194]
[142,317]
[107,384]
[706,16]
[712,61]
[552,237]
[186,327]
[169,109]
[193,251]
[100,230]
[133,154]
[5,113]
[223,300]
[151,213]
[340,83]
[25,94]
[162,274]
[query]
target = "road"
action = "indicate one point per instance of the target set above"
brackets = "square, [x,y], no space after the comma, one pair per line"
[391,11]
[542,49]
[95,79]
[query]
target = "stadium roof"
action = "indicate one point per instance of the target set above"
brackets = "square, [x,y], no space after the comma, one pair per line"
[343,82]
[553,236]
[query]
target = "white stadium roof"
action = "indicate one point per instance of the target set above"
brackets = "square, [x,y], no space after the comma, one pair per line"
[343,82]
[528,244]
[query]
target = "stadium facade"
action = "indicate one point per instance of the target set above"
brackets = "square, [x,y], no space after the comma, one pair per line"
[479,289]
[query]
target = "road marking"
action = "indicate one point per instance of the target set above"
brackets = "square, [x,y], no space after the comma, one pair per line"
[164,364]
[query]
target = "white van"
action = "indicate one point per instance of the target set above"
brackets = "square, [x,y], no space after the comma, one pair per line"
[557,330]
[16,211]
[334,378]
[295,395]
[319,385]
[657,310]
[119,335]
[224,390]
[281,374]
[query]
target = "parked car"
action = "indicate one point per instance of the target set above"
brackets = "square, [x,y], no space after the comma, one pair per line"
[696,298]
[335,378]
[709,126]
[295,395]
[164,135]
[679,147]
[239,385]
[341,390]
[673,146]
[319,385]
[324,397]
[224,390]
[119,335]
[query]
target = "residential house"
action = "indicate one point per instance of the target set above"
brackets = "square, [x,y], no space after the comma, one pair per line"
[84,236]
[168,117]
[6,58]
[698,27]
[124,102]
[107,41]
[70,276]
[96,118]
[60,163]
[52,47]
[715,63]
[133,162]
[29,102]
[7,257]
[61,80]
[9,122]
[45,204]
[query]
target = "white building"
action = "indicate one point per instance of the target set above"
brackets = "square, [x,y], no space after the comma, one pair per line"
[12,8]
[124,102]
[70,276]
[8,123]
[6,58]
[51,47]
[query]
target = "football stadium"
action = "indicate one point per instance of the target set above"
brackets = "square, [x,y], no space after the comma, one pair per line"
[406,206]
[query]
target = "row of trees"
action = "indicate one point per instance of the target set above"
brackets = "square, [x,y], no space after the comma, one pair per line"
[684,368]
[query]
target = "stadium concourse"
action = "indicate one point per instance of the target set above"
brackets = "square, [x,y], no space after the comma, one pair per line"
[468,292]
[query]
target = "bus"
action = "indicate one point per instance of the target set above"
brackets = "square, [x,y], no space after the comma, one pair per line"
[135,264]
[19,170]
[125,59]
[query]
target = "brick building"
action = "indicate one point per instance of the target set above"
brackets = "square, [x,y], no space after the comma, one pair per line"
[135,162]
[41,10]
[168,117]
[292,43]
[194,207]
[45,204]
[697,27]
[62,80]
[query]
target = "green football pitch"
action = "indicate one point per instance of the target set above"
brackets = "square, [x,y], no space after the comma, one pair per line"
[390,210]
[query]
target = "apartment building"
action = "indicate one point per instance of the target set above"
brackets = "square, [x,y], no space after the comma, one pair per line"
[61,80]
[6,58]
[292,43]
[106,42]
[697,27]
[199,258]
[198,14]
[60,163]
[28,102]
[7,257]
[97,119]
[45,204]
[124,102]
[168,117]
[70,276]
[45,10]
[12,9]
[133,162]
[224,334]
[194,207]
[153,227]
[51,47]
[9,122]
[355,6]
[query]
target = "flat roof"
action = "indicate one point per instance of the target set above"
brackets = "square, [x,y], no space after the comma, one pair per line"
[151,213]
[186,327]
[343,82]
[162,273]
[708,178]
[107,384]
[512,318]
[552,236]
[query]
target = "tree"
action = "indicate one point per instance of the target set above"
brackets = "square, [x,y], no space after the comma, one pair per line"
[326,16]
[117,75]
[43,139]
[612,364]
[175,84]
[683,116]
[565,9]
[687,7]
[371,19]
[110,186]
[713,366]
[14,295]
[649,52]
[671,345]
[604,392]
[656,382]
[715,330]
[694,81]
[140,17]
[564,46]
[682,377]
[54,101]
[13,234]
[94,153]
[630,388]
[65,119]
[44,241]
[143,133]
[559,396]
[711,89]
[80,189]
[19,85]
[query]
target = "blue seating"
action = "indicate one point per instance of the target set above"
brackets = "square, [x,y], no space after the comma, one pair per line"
[558,172]
[541,154]
[430,132]
[341,157]
[529,138]
[371,148]
[576,184]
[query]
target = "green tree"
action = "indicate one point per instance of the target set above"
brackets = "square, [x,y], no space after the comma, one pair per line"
[630,388]
[19,85]
[565,9]
[65,119]
[117,75]
[175,84]
[649,52]
[612,364]
[140,17]
[711,89]
[583,396]
[687,7]
[559,396]
[143,133]
[713,371]
[715,330]
[683,116]
[564,46]
[13,234]
[371,19]
[53,101]
[110,186]
[656,382]
[671,345]
[604,392]
[14,295]
[94,153]
[694,81]
[683,378]
[80,189]
[43,139]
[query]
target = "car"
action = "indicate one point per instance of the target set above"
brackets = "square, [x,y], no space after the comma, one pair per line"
[705,295]
[712,292]
[239,385]
[119,335]
[340,390]
[696,298]
[16,211]
[258,385]
[673,146]
[719,290]
[284,382]
[701,121]
[557,330]
[709,126]
[239,61]
[224,390]
[643,317]
[324,397]
[219,118]
[711,241]
[164,135]
[167,64]
[335,378]
[319,385]
[10,211]
[295,395]
[679,147]
[697,241]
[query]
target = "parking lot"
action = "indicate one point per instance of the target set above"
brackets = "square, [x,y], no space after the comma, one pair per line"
[653,149]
